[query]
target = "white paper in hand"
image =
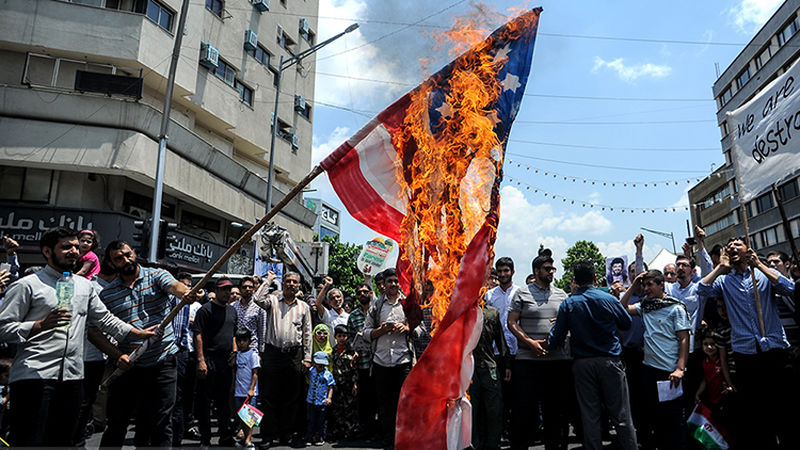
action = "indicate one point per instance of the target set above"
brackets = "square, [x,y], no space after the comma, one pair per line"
[666,392]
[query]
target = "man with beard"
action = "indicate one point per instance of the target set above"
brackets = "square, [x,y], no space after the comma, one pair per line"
[214,327]
[367,407]
[761,378]
[499,297]
[539,375]
[140,297]
[46,376]
[249,314]
[286,358]
[387,330]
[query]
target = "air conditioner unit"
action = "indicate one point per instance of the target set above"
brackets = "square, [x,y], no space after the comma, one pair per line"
[295,141]
[260,5]
[299,103]
[304,26]
[250,40]
[209,56]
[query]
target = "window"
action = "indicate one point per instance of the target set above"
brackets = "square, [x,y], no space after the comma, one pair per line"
[764,202]
[717,196]
[200,221]
[159,14]
[245,93]
[725,97]
[27,185]
[794,226]
[285,41]
[788,190]
[755,241]
[723,127]
[749,209]
[720,224]
[743,78]
[261,54]
[769,237]
[215,6]
[787,32]
[306,112]
[225,72]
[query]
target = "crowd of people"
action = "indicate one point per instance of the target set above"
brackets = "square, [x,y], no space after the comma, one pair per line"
[596,363]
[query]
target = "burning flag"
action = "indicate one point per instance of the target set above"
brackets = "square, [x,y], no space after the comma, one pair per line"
[426,173]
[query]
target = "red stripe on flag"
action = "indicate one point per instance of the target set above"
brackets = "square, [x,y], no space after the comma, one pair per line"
[436,382]
[360,199]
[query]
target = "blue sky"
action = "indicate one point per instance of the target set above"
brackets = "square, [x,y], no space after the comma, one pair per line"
[599,52]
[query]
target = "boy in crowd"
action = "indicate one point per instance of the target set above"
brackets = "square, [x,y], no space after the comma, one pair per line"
[320,395]
[666,350]
[247,363]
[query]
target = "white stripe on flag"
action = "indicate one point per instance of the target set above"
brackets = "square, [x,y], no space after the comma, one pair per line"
[377,159]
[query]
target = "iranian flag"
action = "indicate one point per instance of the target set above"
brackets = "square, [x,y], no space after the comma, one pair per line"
[703,428]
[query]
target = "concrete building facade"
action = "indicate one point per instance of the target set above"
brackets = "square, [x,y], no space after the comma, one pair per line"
[72,149]
[774,48]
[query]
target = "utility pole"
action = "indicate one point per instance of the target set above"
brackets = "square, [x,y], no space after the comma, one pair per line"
[158,191]
[283,65]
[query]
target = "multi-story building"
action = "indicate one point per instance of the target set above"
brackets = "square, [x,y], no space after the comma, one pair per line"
[327,223]
[82,87]
[775,47]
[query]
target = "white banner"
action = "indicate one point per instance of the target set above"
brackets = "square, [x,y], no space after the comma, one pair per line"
[766,135]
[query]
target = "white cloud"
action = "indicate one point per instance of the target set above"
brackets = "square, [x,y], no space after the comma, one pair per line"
[592,223]
[630,73]
[367,62]
[523,226]
[319,150]
[749,15]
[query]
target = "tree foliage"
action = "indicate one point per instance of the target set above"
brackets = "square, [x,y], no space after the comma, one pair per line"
[580,251]
[342,265]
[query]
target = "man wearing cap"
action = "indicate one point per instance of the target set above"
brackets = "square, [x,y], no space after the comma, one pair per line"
[214,327]
[286,358]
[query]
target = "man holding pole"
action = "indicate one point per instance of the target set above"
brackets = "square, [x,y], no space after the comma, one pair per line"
[140,297]
[757,337]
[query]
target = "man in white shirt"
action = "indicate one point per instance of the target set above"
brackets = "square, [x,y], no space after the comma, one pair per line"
[336,315]
[500,297]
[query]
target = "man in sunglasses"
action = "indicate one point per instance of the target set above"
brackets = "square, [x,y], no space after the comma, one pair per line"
[539,375]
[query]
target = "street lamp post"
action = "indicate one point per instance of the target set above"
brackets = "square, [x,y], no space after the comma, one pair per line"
[663,233]
[285,64]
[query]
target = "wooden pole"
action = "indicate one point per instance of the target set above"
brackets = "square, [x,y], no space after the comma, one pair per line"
[787,230]
[743,212]
[222,260]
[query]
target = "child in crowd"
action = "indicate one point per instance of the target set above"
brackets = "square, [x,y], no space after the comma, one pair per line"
[320,395]
[247,365]
[344,412]
[716,384]
[88,264]
[320,343]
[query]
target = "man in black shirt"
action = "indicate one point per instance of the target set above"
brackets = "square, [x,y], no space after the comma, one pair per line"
[214,327]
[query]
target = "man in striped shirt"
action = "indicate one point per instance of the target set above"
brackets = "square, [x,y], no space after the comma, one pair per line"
[140,297]
[286,357]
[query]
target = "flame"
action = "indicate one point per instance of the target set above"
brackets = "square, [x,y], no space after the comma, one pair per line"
[450,187]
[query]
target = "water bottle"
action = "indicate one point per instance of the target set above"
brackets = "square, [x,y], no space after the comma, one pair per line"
[65,289]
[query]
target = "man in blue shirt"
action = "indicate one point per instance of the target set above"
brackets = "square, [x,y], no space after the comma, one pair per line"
[760,357]
[592,317]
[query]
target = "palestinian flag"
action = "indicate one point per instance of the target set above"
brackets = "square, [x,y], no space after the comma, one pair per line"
[703,428]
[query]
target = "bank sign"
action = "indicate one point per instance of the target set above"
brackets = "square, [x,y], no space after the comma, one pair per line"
[26,225]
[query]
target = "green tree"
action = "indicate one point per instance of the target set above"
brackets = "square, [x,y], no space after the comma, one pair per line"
[581,251]
[342,265]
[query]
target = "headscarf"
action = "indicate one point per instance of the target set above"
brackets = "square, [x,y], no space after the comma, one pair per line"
[317,346]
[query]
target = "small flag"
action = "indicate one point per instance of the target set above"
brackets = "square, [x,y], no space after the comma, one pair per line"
[704,430]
